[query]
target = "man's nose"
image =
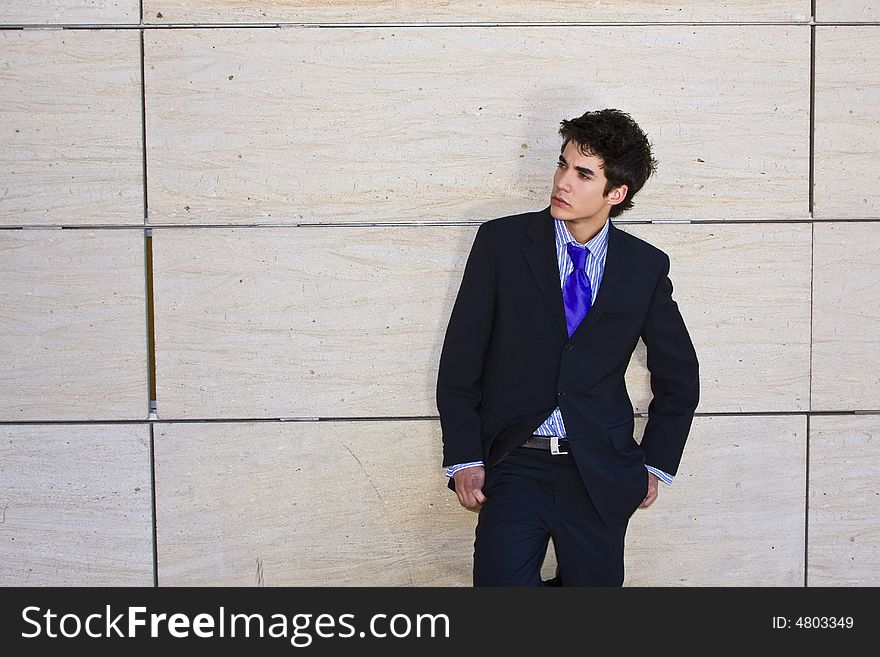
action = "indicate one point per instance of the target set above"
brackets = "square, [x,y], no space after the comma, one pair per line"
[563,180]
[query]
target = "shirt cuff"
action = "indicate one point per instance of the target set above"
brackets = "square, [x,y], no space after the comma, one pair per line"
[452,469]
[662,476]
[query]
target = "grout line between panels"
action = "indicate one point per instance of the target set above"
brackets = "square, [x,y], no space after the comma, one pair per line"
[144,127]
[435,25]
[153,506]
[812,260]
[406,418]
[807,507]
[812,120]
[436,224]
[417,25]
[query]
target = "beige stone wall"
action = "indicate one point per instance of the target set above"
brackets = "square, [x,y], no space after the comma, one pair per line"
[260,224]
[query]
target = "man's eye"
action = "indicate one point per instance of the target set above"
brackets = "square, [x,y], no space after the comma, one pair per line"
[560,165]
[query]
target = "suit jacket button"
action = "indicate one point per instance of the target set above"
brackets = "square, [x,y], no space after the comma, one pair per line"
[569,347]
[562,393]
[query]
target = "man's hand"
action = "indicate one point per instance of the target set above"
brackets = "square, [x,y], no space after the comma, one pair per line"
[469,487]
[652,491]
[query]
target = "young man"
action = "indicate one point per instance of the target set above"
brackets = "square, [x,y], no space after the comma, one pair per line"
[537,423]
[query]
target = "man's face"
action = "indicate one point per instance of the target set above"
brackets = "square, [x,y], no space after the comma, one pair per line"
[579,186]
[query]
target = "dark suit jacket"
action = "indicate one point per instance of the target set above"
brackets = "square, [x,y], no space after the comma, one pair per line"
[507,361]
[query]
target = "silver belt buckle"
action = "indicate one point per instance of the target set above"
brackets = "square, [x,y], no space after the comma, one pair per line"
[554,446]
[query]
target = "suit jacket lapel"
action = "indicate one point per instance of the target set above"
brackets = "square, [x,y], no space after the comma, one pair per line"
[541,256]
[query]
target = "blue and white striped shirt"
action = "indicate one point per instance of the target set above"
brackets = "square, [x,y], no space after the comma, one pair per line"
[595,268]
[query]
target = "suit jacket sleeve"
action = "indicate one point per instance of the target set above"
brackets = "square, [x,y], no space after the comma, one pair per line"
[459,380]
[674,371]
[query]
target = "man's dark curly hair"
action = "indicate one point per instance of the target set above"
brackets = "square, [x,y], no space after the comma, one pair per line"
[617,139]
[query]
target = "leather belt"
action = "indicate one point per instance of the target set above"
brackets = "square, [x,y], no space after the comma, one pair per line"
[554,444]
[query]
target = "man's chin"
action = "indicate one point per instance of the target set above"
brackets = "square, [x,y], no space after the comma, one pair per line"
[558,213]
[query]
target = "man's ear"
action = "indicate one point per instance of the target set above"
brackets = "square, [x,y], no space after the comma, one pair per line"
[617,195]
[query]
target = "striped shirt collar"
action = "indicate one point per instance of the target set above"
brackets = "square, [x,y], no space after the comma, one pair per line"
[598,246]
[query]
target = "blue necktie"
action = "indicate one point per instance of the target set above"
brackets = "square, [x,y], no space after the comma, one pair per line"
[577,293]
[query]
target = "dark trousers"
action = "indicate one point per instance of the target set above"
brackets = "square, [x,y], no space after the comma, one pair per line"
[531,496]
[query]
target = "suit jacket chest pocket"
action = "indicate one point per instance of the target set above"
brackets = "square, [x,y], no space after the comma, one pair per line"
[624,318]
